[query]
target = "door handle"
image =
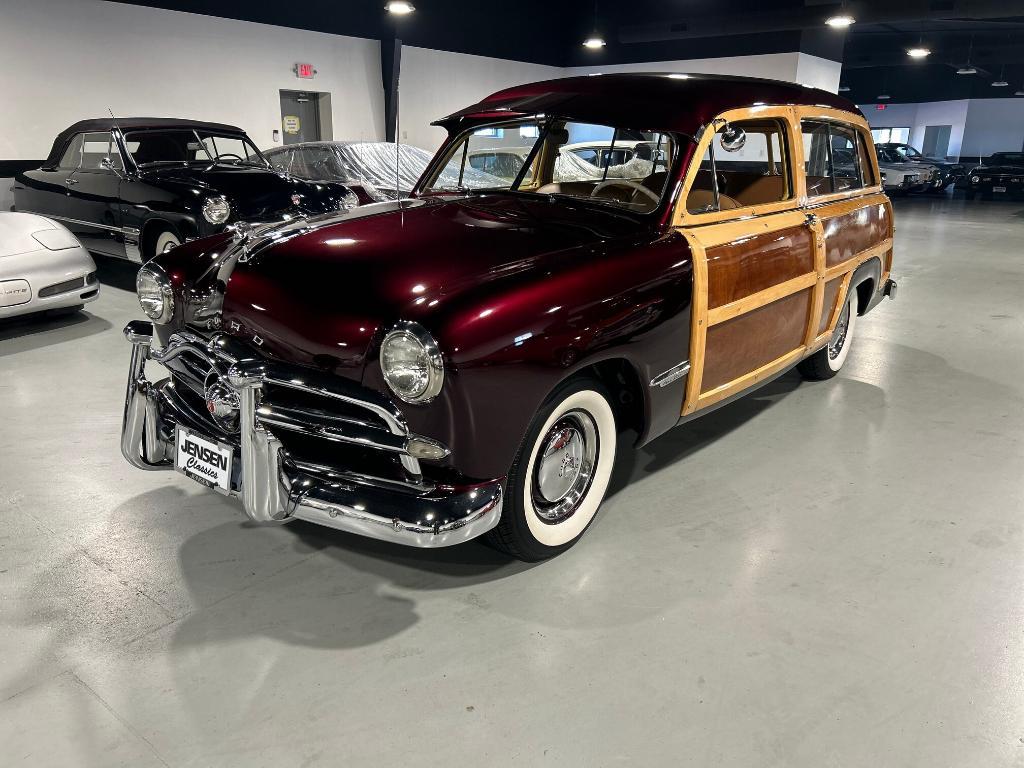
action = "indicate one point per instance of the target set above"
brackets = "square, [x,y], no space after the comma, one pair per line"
[811,220]
[70,182]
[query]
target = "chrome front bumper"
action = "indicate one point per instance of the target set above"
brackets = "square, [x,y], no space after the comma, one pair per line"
[274,489]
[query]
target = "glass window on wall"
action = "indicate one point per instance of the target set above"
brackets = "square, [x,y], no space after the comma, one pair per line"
[891,135]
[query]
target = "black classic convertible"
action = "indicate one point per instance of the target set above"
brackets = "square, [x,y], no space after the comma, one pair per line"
[135,187]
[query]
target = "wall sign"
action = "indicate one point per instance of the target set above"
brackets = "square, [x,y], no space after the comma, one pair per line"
[291,124]
[304,71]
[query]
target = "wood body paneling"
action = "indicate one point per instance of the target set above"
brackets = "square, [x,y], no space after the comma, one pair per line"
[850,233]
[752,264]
[750,341]
[828,304]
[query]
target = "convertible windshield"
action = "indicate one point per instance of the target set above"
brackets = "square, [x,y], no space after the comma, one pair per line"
[184,146]
[1008,158]
[613,166]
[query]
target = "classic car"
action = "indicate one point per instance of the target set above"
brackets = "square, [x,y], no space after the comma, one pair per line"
[135,187]
[945,174]
[373,170]
[899,177]
[43,267]
[462,363]
[999,175]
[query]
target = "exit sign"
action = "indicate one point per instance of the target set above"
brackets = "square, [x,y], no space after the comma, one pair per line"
[879,107]
[304,71]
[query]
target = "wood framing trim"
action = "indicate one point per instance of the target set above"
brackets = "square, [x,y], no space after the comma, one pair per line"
[761,299]
[851,264]
[698,321]
[748,380]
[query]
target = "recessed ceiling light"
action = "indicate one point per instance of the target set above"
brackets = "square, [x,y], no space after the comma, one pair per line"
[678,76]
[1000,84]
[844,88]
[918,53]
[594,42]
[883,97]
[1020,92]
[399,7]
[840,20]
[967,71]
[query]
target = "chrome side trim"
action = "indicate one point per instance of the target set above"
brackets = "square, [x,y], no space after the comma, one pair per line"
[672,374]
[121,230]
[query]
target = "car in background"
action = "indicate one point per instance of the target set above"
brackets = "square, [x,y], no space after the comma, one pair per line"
[946,174]
[135,187]
[43,267]
[901,177]
[1000,175]
[373,170]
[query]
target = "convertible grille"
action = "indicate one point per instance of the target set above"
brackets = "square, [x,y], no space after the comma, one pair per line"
[325,424]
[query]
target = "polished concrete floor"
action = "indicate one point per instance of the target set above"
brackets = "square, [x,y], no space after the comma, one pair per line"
[827,574]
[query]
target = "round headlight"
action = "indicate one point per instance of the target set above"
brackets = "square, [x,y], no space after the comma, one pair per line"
[975,179]
[156,296]
[348,201]
[412,364]
[216,210]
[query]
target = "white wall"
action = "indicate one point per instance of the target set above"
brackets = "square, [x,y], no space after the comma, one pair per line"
[979,126]
[436,83]
[64,60]
[994,125]
[792,67]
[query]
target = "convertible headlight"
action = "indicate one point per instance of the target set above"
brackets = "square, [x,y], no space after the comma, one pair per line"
[156,296]
[348,201]
[216,210]
[412,364]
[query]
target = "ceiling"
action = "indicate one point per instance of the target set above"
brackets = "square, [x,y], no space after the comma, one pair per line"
[988,33]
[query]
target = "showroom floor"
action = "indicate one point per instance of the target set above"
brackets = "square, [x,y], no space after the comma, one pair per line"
[820,575]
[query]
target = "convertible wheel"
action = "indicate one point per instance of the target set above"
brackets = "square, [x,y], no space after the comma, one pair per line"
[826,362]
[165,241]
[560,476]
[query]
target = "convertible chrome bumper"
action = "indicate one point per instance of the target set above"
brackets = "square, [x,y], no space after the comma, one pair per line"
[273,488]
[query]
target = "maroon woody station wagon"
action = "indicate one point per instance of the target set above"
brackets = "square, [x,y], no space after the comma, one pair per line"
[430,370]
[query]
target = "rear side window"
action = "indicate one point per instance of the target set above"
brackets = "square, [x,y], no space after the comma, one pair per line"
[73,154]
[836,158]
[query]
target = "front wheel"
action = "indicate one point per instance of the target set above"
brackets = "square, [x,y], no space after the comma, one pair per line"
[826,362]
[164,242]
[560,475]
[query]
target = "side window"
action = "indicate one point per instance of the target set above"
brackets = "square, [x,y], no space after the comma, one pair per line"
[747,164]
[97,147]
[281,160]
[836,158]
[72,156]
[867,173]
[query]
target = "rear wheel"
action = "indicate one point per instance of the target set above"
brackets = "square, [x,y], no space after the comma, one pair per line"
[560,475]
[826,362]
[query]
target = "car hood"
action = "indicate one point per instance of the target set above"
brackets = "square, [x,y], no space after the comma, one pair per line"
[320,296]
[1011,169]
[252,192]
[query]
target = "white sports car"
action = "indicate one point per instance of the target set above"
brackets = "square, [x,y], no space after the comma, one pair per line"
[42,267]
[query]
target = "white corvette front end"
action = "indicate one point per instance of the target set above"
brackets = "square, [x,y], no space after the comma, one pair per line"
[42,266]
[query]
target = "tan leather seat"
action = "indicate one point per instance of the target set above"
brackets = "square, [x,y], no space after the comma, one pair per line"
[763,189]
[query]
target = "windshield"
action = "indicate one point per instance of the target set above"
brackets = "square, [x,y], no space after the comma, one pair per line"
[183,146]
[607,165]
[1010,158]
[890,155]
[908,152]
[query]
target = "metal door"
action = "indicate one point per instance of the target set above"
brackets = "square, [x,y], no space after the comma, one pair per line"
[300,116]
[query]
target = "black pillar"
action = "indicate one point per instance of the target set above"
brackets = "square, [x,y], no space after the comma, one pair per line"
[390,69]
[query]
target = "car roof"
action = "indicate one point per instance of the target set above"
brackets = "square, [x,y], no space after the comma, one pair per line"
[668,101]
[127,124]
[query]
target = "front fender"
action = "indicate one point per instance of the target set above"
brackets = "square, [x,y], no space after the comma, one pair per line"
[511,341]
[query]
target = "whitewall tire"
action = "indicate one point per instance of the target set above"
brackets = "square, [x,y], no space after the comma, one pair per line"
[827,361]
[561,474]
[165,241]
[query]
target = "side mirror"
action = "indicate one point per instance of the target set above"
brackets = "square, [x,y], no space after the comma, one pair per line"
[733,138]
[108,165]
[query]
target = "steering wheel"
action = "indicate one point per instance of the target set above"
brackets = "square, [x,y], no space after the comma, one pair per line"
[229,155]
[635,186]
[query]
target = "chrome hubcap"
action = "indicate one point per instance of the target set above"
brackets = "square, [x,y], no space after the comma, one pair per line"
[835,346]
[564,466]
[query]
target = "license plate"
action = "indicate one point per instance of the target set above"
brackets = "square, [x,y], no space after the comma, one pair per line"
[998,189]
[205,460]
